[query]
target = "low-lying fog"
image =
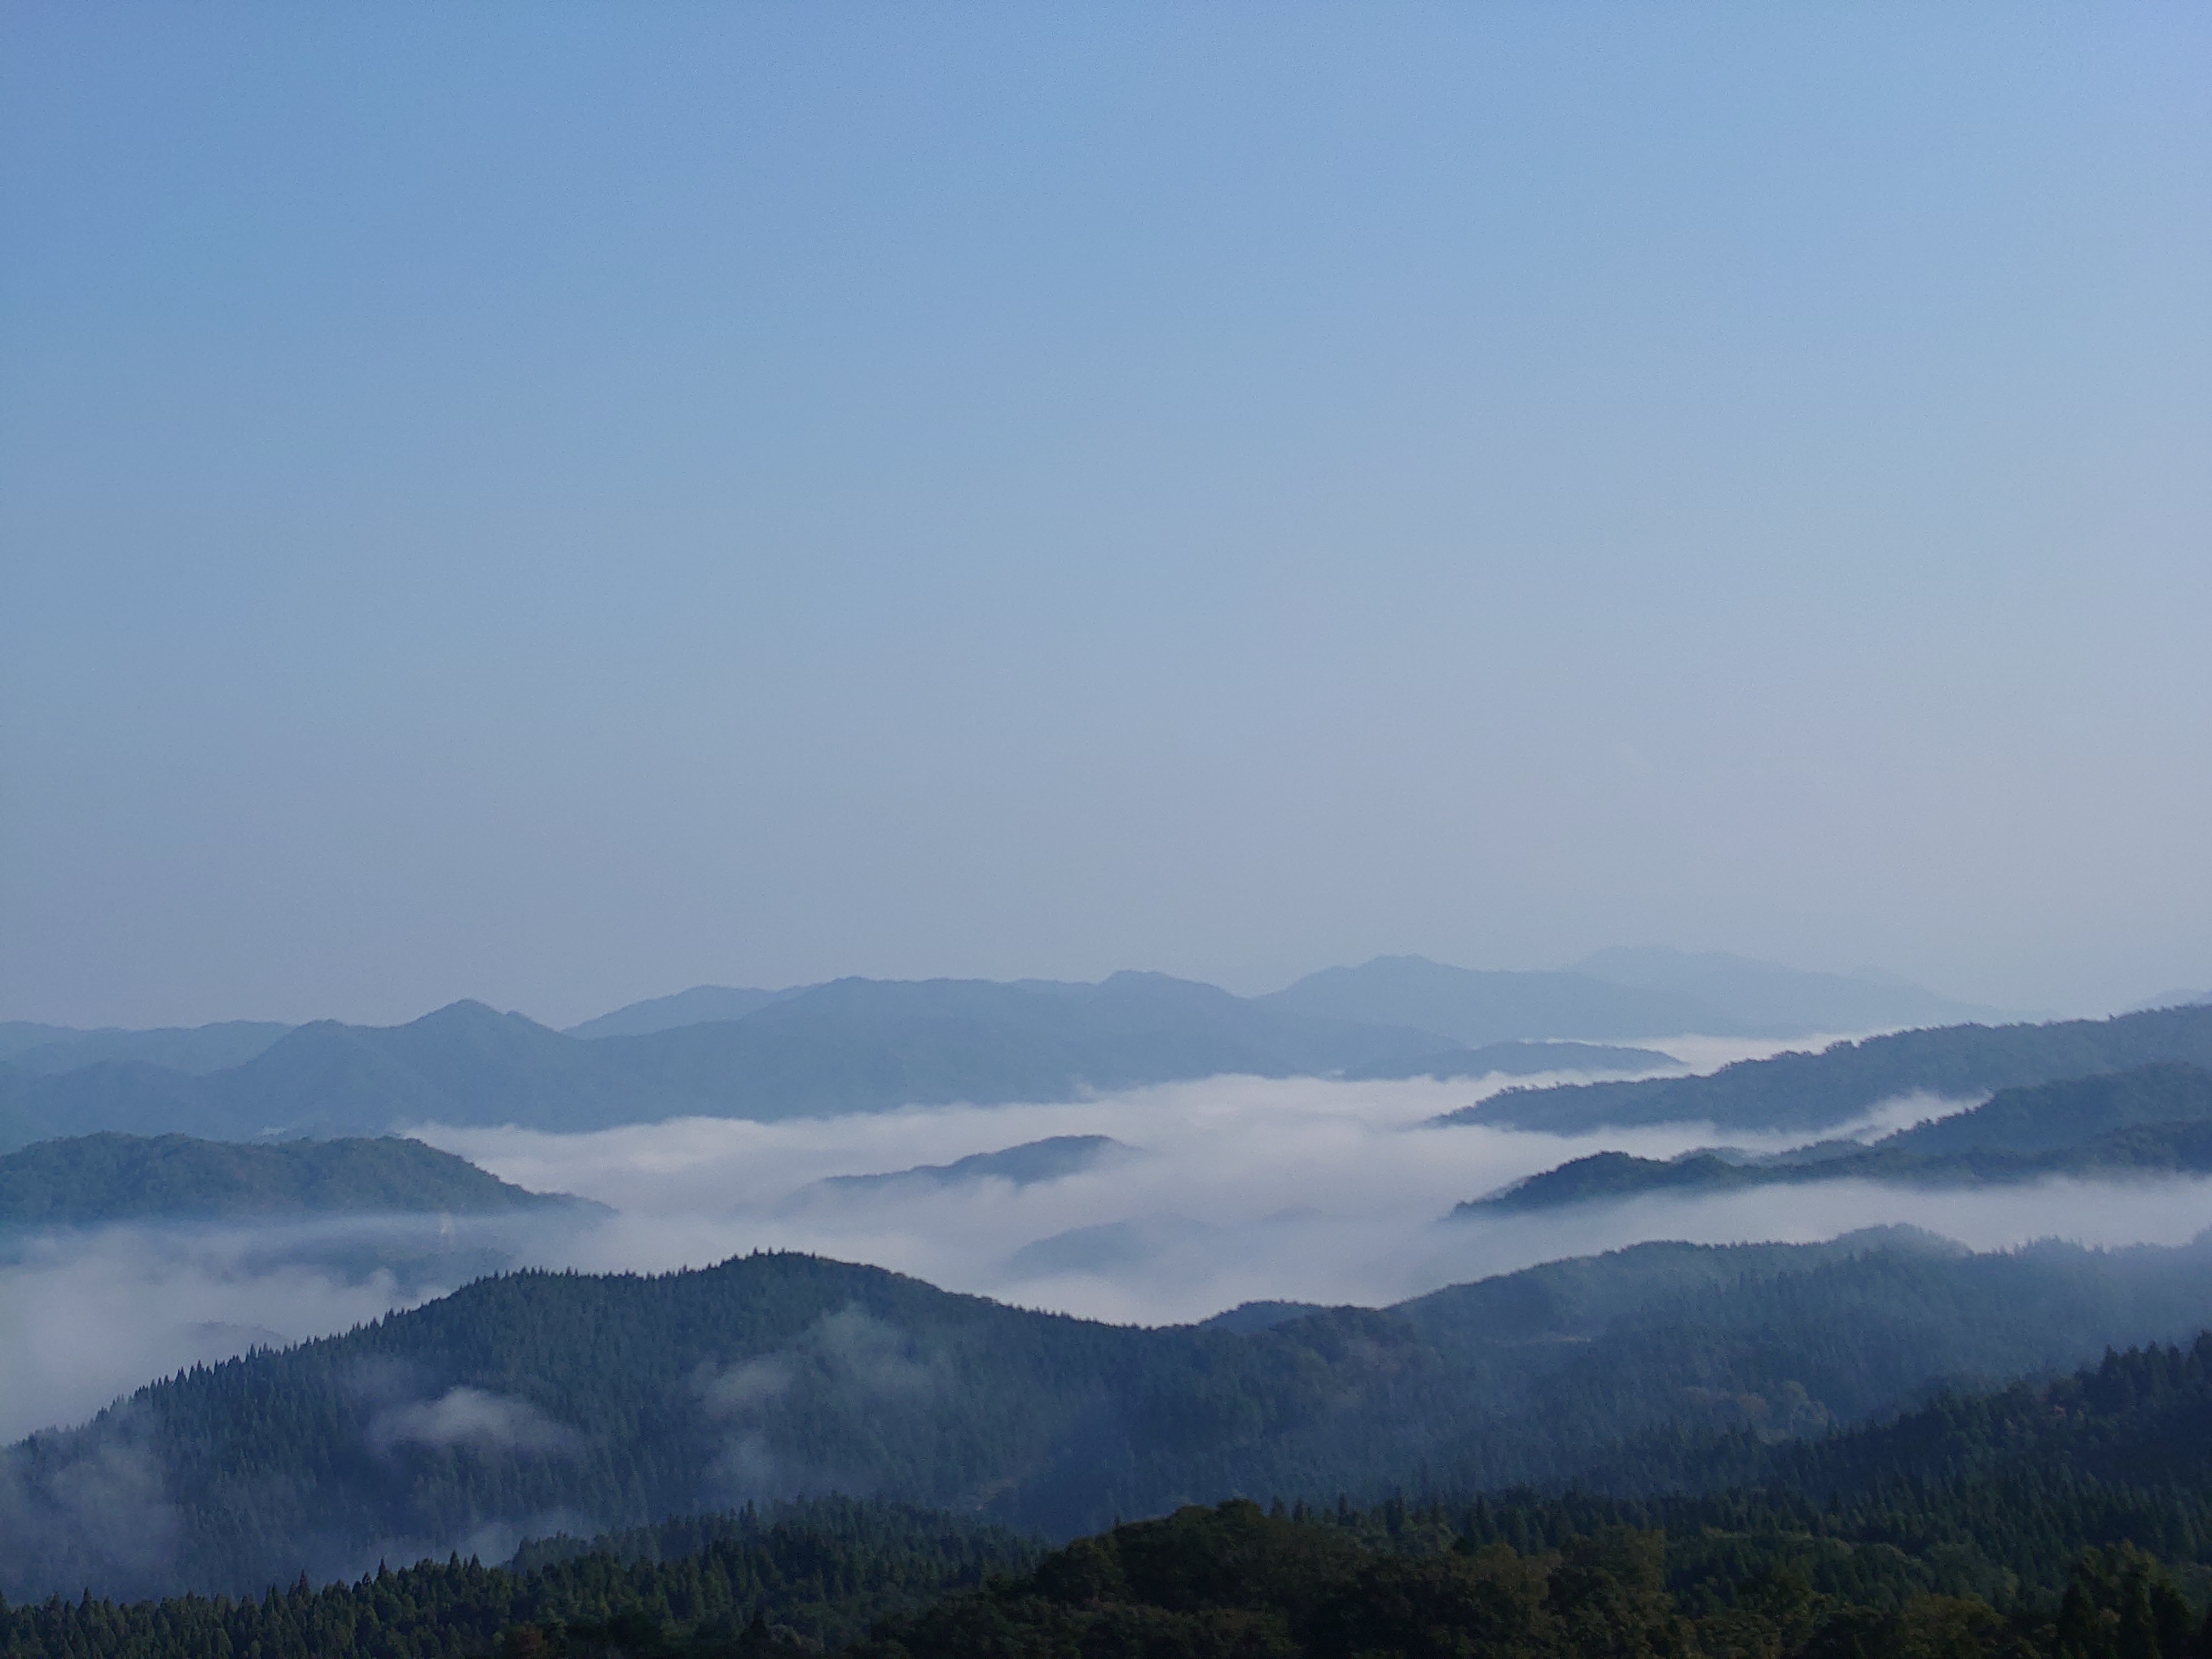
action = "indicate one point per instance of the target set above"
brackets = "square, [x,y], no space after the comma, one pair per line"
[1236,1190]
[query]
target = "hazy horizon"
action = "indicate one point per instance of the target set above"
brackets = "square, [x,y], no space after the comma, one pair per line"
[1872,972]
[556,507]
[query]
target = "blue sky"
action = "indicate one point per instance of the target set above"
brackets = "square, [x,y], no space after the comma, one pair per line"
[554,503]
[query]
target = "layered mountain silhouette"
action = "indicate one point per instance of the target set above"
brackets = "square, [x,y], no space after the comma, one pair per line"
[860,1045]
[1646,993]
[849,1046]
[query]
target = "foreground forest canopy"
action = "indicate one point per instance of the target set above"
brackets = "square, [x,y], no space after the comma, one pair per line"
[2006,1524]
[621,1400]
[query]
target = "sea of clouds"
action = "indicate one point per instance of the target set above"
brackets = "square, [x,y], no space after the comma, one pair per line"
[1237,1189]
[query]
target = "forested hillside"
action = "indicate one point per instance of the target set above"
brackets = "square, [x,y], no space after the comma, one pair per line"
[1845,1081]
[2149,1121]
[87,1180]
[822,1572]
[621,1400]
[2062,1519]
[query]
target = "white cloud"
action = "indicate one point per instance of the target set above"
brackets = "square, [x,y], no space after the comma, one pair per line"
[471,1417]
[1303,1189]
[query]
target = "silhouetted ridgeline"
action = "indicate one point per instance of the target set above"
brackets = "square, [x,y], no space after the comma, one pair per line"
[869,1045]
[852,1045]
[1846,1080]
[620,1400]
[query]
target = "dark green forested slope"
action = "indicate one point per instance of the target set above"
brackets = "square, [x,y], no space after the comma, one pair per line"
[822,1572]
[1811,1091]
[2150,1119]
[1235,1582]
[620,1400]
[86,1180]
[2007,1524]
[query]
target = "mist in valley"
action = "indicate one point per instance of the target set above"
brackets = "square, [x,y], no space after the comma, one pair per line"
[1216,1193]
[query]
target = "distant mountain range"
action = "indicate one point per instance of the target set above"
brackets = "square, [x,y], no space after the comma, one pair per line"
[1800,1091]
[858,1045]
[195,1049]
[85,1181]
[1629,994]
[696,1006]
[849,1046]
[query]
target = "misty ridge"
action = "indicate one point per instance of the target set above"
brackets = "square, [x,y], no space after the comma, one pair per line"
[1299,1191]
[535,1402]
[723,731]
[1258,1282]
[2147,1121]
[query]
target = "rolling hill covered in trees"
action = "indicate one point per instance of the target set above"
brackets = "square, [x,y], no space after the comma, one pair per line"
[616,1400]
[2044,1521]
[86,1181]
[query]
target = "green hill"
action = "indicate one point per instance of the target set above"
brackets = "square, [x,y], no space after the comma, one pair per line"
[88,1179]
[2065,1518]
[822,1571]
[621,1400]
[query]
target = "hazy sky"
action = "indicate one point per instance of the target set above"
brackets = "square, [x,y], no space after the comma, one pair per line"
[554,503]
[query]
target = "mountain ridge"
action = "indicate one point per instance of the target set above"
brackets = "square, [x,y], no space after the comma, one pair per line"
[1798,1090]
[629,1398]
[849,1045]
